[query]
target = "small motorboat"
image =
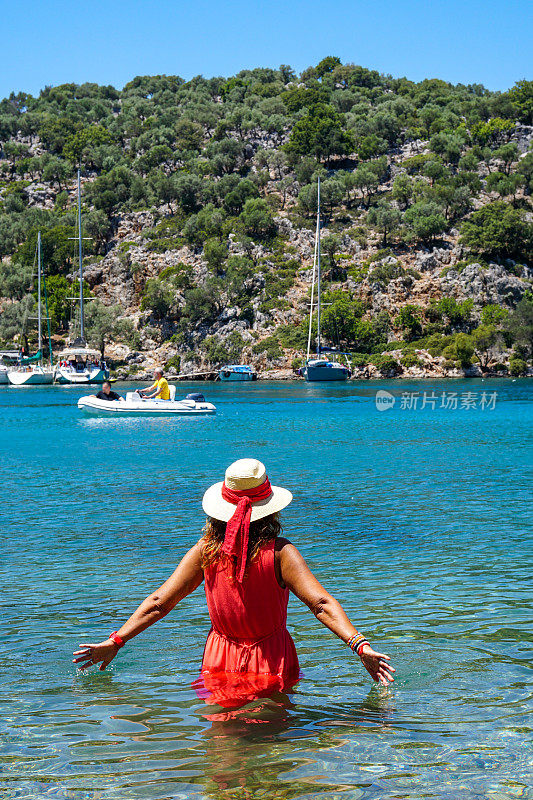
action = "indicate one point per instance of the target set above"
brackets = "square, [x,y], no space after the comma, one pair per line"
[193,404]
[237,372]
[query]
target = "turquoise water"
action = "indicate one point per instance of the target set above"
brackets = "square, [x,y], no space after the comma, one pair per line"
[418,521]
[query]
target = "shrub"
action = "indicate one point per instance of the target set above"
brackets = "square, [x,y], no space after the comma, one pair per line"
[410,360]
[425,221]
[385,273]
[408,320]
[295,336]
[174,362]
[257,220]
[125,331]
[460,350]
[498,230]
[215,253]
[220,351]
[270,346]
[517,366]
[492,314]
[320,133]
[201,305]
[386,364]
[158,297]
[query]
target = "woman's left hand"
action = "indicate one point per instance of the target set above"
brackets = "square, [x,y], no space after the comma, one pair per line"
[92,654]
[376,664]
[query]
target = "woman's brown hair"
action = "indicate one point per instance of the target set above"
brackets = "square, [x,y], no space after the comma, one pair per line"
[261,531]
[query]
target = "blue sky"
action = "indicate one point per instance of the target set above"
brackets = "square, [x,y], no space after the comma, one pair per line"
[51,41]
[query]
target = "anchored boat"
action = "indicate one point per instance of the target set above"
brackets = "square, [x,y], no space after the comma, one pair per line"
[320,369]
[78,363]
[8,359]
[31,371]
[237,372]
[193,404]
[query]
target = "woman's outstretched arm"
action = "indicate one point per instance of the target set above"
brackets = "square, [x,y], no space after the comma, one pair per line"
[298,577]
[187,576]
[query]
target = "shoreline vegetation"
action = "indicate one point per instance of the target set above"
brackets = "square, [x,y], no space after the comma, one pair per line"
[199,201]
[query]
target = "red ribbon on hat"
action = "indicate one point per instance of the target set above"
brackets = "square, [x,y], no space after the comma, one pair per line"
[238,527]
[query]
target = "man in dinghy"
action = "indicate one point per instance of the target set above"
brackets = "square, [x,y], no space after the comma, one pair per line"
[160,389]
[106,393]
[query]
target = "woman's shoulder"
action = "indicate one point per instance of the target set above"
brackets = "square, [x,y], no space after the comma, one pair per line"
[280,543]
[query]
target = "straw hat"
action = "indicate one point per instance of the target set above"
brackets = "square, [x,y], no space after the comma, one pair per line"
[246,473]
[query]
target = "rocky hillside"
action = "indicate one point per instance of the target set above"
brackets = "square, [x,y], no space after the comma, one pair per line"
[200,201]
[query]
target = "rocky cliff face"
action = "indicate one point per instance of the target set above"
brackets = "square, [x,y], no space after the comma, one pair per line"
[119,279]
[273,291]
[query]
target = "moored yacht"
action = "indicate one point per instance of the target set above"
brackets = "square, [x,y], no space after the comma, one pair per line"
[31,371]
[320,369]
[78,363]
[8,359]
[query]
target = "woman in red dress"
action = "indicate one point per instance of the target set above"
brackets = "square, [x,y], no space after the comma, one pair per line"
[248,570]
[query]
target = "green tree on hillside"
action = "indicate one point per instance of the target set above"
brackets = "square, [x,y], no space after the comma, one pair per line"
[385,219]
[521,96]
[425,221]
[497,230]
[321,133]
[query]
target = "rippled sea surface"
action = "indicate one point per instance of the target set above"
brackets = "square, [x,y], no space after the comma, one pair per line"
[417,519]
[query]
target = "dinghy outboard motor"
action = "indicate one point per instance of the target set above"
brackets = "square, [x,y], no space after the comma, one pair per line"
[196,396]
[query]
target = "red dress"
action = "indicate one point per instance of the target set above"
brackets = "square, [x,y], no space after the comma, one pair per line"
[249,652]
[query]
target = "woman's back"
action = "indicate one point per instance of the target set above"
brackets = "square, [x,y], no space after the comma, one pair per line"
[249,638]
[253,609]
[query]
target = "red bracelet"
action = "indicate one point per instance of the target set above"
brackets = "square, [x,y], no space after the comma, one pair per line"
[360,646]
[119,641]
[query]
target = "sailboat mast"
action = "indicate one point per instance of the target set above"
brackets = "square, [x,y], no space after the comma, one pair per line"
[318,272]
[80,256]
[39,322]
[313,281]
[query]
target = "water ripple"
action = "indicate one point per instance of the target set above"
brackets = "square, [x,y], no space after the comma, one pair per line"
[418,521]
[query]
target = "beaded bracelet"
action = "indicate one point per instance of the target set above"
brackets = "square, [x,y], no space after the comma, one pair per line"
[356,643]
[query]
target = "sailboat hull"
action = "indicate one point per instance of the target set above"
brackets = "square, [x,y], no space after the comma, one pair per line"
[86,376]
[34,377]
[325,371]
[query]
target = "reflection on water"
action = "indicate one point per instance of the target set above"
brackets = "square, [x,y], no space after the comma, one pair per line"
[419,523]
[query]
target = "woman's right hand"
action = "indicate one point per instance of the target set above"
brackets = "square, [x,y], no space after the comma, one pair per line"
[92,654]
[376,664]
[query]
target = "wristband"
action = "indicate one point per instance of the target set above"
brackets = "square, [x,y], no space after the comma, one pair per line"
[354,642]
[119,641]
[360,646]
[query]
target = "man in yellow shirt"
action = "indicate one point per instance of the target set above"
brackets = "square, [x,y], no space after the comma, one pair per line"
[159,388]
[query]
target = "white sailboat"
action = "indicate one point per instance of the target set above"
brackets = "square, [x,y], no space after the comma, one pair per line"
[78,364]
[8,359]
[34,374]
[320,369]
